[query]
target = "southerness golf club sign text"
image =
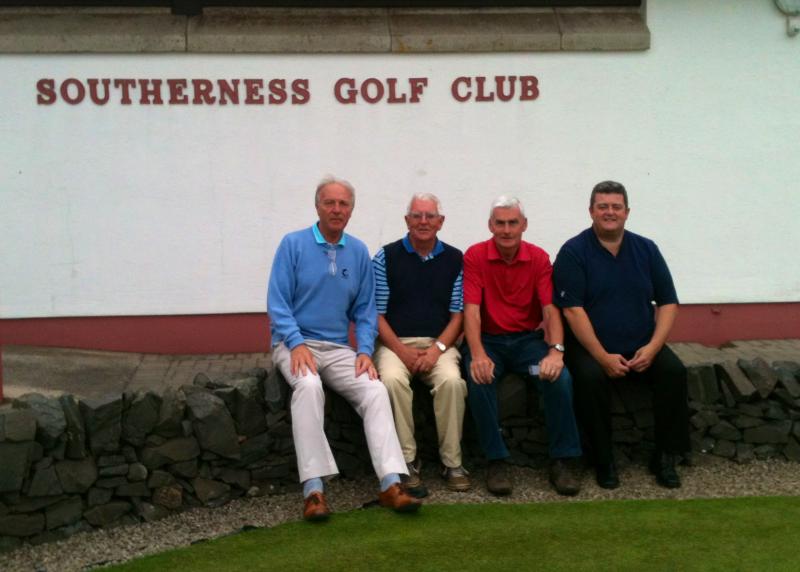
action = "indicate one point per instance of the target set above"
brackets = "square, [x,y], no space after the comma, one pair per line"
[277,91]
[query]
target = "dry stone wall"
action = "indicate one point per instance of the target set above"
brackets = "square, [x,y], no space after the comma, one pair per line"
[69,465]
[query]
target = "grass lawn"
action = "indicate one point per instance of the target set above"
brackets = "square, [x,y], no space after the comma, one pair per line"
[755,533]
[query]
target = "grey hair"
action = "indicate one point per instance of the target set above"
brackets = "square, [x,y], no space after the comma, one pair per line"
[331,180]
[506,202]
[425,197]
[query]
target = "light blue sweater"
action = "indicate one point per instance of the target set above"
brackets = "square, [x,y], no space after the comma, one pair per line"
[305,301]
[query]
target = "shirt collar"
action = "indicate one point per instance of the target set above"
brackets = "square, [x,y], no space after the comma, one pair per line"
[437,249]
[523,254]
[321,239]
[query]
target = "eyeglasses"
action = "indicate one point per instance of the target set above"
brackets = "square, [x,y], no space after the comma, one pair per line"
[331,253]
[417,216]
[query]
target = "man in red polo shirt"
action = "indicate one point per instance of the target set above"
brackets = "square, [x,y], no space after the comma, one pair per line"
[508,297]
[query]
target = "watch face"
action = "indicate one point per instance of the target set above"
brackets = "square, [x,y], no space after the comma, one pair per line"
[558,347]
[441,346]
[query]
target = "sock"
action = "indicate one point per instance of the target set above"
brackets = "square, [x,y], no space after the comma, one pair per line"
[389,480]
[312,485]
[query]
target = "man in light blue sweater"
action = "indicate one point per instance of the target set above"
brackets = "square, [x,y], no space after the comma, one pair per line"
[321,281]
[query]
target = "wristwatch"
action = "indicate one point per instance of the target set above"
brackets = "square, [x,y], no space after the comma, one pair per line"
[557,347]
[441,346]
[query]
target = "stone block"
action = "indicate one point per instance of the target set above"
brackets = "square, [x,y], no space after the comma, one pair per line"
[208,491]
[760,374]
[149,512]
[248,410]
[76,476]
[110,482]
[137,472]
[765,452]
[76,430]
[18,425]
[791,367]
[14,468]
[788,380]
[772,432]
[746,422]
[111,460]
[160,479]
[735,380]
[610,29]
[32,504]
[474,30]
[792,450]
[702,383]
[20,525]
[184,469]
[724,448]
[68,511]
[744,453]
[106,514]
[289,30]
[170,415]
[103,421]
[139,489]
[170,497]
[237,477]
[276,391]
[213,424]
[98,496]
[44,482]
[141,417]
[775,411]
[50,420]
[76,31]
[724,430]
[114,470]
[9,543]
[172,451]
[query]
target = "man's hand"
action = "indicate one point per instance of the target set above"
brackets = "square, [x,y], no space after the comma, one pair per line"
[614,365]
[409,356]
[302,361]
[481,369]
[364,364]
[643,358]
[551,365]
[427,359]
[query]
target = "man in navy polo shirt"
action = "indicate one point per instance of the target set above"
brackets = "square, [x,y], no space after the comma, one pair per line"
[607,280]
[508,296]
[419,300]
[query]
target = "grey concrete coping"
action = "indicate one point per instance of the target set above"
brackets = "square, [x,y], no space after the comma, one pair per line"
[288,30]
[606,30]
[474,31]
[95,32]
[281,30]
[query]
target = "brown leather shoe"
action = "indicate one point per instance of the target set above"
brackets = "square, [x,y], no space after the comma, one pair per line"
[497,480]
[315,508]
[564,477]
[397,499]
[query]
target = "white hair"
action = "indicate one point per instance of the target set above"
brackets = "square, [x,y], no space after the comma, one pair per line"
[331,180]
[425,197]
[506,202]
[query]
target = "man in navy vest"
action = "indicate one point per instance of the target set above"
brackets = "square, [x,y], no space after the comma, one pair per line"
[607,280]
[419,302]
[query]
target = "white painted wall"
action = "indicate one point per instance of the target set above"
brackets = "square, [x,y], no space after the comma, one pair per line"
[177,210]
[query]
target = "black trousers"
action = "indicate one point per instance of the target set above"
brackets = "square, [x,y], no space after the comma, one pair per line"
[592,390]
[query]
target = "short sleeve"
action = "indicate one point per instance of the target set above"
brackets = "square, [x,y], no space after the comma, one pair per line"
[569,279]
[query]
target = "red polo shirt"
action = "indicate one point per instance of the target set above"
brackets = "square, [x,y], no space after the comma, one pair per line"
[511,296]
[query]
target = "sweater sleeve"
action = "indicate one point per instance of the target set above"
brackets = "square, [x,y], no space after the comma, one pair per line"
[282,283]
[363,311]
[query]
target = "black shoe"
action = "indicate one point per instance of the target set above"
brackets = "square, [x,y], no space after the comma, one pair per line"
[662,465]
[607,477]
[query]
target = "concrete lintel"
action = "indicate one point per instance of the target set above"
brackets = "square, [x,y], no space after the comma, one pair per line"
[289,31]
[91,32]
[584,29]
[490,30]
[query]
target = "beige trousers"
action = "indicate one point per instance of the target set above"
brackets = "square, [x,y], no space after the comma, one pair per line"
[448,389]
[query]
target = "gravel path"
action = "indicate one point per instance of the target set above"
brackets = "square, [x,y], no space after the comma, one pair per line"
[711,478]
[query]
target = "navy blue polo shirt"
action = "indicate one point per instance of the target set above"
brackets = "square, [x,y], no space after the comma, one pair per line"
[617,292]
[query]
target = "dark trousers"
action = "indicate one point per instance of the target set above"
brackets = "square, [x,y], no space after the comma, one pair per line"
[514,353]
[592,387]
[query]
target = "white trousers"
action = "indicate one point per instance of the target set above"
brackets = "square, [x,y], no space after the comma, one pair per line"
[336,365]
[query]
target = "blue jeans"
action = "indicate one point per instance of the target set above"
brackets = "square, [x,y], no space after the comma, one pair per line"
[515,353]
